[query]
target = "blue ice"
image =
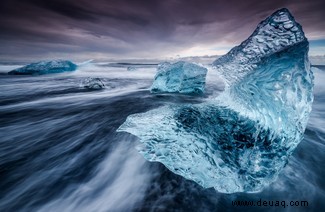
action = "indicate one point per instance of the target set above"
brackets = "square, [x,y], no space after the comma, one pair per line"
[180,77]
[45,67]
[240,141]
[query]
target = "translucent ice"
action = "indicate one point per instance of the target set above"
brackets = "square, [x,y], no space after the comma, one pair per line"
[240,141]
[45,67]
[180,77]
[93,83]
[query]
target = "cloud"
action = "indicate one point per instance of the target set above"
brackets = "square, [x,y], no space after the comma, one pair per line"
[139,28]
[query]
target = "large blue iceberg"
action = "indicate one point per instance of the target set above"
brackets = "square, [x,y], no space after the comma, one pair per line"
[240,141]
[45,67]
[180,77]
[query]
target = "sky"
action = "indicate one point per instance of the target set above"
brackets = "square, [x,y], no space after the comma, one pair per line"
[120,29]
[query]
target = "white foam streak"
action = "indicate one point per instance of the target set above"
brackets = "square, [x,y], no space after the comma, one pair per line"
[120,183]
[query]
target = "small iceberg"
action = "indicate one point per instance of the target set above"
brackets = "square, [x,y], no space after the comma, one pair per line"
[131,68]
[45,67]
[93,83]
[180,77]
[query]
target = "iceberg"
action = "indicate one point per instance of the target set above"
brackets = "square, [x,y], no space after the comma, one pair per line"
[93,83]
[242,139]
[45,67]
[180,77]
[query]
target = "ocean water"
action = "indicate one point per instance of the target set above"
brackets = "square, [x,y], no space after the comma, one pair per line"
[59,149]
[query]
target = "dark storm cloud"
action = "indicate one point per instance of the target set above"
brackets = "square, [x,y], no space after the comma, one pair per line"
[139,28]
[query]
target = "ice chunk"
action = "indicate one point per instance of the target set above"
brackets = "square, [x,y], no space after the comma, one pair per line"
[240,141]
[45,67]
[93,83]
[271,35]
[179,77]
[131,68]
